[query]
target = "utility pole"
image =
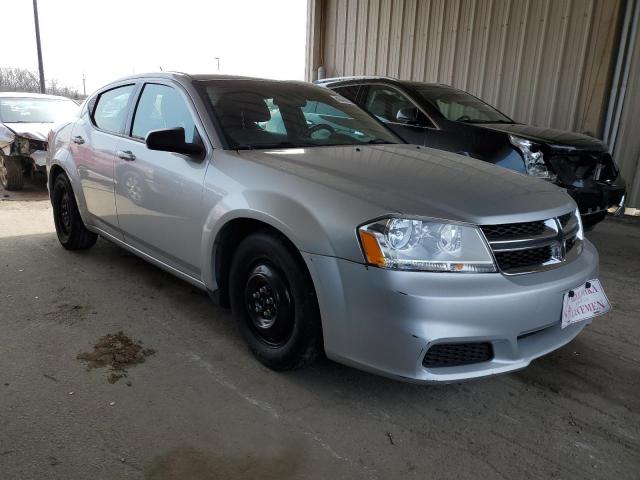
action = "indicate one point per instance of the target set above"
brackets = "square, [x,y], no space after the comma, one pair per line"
[84,85]
[40,67]
[217,59]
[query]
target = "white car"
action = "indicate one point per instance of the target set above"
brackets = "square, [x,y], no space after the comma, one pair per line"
[25,122]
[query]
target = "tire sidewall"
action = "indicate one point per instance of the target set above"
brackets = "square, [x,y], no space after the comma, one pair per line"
[304,338]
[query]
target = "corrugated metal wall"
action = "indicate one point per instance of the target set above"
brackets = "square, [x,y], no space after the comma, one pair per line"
[545,62]
[624,105]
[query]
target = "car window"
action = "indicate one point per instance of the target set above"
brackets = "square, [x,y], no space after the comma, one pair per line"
[384,102]
[267,114]
[110,112]
[161,106]
[459,106]
[350,92]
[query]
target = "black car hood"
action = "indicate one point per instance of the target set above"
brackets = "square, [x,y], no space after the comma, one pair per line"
[550,136]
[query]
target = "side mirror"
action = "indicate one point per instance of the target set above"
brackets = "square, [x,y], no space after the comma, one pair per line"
[408,115]
[172,140]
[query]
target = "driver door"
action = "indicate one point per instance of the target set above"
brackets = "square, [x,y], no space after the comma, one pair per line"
[158,194]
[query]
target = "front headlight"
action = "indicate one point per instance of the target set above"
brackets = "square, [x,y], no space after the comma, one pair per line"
[533,160]
[427,245]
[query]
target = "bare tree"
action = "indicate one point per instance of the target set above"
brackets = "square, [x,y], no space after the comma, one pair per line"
[23,80]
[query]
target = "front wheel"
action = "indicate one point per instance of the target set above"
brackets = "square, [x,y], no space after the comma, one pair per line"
[72,233]
[274,302]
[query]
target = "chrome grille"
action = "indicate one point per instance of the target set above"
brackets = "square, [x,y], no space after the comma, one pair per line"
[513,230]
[534,246]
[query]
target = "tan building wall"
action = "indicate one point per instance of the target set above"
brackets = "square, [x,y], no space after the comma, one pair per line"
[543,62]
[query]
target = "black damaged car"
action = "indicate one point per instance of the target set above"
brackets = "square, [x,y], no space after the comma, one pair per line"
[443,117]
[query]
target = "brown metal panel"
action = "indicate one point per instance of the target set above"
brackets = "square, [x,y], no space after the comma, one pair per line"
[627,149]
[602,43]
[479,47]
[434,45]
[351,30]
[341,36]
[449,41]
[384,26]
[463,44]
[545,62]
[373,29]
[361,37]
[421,43]
[512,56]
[496,41]
[395,37]
[407,39]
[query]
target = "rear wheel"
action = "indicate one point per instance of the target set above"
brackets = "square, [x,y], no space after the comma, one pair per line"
[274,302]
[72,233]
[11,174]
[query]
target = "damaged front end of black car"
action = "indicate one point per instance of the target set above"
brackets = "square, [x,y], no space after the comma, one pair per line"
[586,170]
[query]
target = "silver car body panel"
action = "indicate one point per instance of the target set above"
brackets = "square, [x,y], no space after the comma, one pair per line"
[376,319]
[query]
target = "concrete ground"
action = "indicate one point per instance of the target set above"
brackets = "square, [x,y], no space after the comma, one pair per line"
[203,408]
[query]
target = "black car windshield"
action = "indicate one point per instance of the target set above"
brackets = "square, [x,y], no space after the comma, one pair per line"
[256,114]
[459,106]
[36,110]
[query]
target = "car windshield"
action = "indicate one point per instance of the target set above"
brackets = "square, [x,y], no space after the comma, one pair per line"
[460,106]
[36,110]
[256,114]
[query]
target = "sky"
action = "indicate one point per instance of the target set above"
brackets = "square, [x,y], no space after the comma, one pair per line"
[107,39]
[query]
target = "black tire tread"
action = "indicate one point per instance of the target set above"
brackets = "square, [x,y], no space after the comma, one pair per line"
[15,175]
[80,237]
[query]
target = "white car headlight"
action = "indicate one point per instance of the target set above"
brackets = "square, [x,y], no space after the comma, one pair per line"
[427,245]
[533,160]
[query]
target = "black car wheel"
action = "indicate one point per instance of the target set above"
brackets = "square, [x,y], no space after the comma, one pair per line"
[72,233]
[274,302]
[11,175]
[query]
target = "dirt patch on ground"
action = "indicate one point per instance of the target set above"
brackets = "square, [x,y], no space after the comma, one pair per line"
[116,352]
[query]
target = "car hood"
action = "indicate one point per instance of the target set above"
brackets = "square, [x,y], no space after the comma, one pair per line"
[32,131]
[422,181]
[550,136]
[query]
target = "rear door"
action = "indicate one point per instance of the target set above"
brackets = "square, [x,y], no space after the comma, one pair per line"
[158,194]
[93,145]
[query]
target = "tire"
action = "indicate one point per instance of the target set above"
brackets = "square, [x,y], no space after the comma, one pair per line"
[268,275]
[72,233]
[11,174]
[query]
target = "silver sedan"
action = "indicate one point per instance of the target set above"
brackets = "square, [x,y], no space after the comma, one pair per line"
[321,231]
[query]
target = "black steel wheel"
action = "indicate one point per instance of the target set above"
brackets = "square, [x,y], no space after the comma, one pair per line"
[269,304]
[274,302]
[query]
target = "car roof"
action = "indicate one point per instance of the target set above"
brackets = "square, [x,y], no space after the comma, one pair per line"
[382,79]
[174,75]
[31,95]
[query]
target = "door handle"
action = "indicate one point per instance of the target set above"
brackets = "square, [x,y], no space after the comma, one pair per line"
[78,139]
[126,155]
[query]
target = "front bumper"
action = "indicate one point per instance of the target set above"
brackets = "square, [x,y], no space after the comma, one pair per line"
[597,197]
[384,321]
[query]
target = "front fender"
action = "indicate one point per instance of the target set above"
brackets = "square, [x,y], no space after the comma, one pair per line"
[288,216]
